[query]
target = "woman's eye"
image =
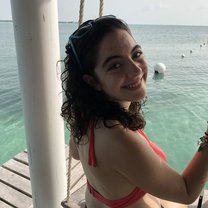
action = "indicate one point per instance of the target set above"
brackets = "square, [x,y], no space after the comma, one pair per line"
[114,66]
[137,54]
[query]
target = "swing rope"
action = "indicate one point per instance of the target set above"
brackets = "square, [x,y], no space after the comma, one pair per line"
[69,177]
[81,12]
[68,203]
[101,8]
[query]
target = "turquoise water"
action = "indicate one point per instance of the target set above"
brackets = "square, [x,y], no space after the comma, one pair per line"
[177,106]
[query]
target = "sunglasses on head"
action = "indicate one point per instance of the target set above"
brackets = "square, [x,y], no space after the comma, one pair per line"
[83,29]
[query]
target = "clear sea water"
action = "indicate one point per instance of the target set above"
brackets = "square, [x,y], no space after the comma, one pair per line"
[176,110]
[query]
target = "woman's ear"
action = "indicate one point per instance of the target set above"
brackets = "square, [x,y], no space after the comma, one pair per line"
[90,80]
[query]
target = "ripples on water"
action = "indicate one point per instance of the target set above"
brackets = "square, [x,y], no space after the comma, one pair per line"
[177,107]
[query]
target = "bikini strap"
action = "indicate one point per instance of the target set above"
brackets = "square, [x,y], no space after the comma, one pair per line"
[91,156]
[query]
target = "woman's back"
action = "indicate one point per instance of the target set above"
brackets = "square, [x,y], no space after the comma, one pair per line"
[103,152]
[103,176]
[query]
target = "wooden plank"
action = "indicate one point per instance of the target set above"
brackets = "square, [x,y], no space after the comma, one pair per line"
[15,187]
[74,163]
[22,157]
[79,196]
[4,205]
[15,181]
[205,199]
[81,182]
[18,168]
[14,197]
[76,175]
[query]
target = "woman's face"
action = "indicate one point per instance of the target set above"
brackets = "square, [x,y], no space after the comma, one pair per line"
[121,69]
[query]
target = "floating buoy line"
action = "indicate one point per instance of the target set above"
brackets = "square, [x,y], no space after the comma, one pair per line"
[191,51]
[160,68]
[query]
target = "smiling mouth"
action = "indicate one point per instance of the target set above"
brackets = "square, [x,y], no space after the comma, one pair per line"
[134,85]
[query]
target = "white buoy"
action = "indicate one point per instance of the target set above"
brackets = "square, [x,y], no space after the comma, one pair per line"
[160,68]
[182,56]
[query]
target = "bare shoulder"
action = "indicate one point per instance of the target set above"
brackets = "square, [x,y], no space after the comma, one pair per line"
[123,137]
[120,142]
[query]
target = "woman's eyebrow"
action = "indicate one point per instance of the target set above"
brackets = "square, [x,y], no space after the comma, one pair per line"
[135,47]
[109,59]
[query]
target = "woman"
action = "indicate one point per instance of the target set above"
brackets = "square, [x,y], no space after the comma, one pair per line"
[105,83]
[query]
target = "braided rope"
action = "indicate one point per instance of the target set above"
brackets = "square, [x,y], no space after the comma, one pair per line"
[68,199]
[69,176]
[81,11]
[101,8]
[69,203]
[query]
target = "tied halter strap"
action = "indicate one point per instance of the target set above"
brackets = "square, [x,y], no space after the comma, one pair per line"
[91,158]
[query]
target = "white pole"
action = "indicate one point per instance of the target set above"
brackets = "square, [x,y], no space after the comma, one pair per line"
[37,45]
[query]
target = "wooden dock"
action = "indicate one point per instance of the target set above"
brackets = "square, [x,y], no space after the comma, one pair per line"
[15,187]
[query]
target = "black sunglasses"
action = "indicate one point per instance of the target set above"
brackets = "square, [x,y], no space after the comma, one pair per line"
[81,32]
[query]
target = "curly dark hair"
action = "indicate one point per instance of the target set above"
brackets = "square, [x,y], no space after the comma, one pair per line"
[82,103]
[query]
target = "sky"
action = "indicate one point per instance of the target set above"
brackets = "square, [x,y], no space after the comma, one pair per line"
[159,12]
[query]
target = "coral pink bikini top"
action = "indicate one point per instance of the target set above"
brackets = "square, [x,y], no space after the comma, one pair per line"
[136,194]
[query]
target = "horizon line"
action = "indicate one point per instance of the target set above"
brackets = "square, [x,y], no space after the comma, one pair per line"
[150,24]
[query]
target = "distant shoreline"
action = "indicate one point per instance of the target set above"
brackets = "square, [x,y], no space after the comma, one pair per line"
[59,21]
[74,22]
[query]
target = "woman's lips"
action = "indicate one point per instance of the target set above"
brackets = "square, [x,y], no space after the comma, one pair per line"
[134,84]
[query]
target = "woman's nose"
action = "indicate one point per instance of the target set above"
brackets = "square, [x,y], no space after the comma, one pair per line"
[134,69]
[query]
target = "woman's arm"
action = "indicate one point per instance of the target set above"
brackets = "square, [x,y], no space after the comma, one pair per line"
[73,148]
[141,166]
[196,172]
